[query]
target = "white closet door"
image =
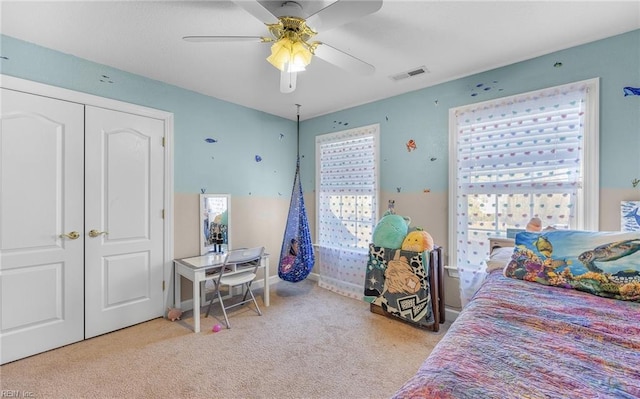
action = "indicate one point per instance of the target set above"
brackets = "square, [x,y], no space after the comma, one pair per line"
[124,205]
[41,199]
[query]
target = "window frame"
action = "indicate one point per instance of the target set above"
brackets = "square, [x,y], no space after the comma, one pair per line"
[587,206]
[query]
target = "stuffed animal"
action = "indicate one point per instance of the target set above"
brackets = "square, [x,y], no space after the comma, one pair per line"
[174,314]
[534,225]
[418,240]
[391,231]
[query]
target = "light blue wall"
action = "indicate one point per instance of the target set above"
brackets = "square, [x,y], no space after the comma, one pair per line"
[616,61]
[227,166]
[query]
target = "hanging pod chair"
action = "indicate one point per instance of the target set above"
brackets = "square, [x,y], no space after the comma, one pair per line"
[296,255]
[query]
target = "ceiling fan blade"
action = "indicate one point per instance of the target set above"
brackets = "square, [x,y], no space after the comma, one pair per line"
[341,12]
[343,60]
[256,9]
[223,38]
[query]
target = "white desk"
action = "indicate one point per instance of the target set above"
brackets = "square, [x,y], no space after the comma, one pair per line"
[195,269]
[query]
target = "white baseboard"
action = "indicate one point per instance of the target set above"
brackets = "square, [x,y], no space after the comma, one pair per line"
[258,283]
[452,271]
[314,277]
[188,305]
[451,314]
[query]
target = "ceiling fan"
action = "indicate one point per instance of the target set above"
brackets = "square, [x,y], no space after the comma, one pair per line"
[291,34]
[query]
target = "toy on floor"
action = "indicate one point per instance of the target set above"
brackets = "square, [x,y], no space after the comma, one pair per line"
[216,328]
[174,314]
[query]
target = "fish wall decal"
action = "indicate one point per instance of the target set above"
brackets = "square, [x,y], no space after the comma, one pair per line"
[631,91]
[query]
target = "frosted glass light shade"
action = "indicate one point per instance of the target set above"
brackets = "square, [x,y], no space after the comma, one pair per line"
[289,55]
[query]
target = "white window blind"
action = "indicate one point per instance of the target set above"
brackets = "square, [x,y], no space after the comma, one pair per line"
[347,187]
[522,157]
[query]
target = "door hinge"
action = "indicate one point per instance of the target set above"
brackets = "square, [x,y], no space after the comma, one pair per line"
[163,287]
[163,213]
[163,141]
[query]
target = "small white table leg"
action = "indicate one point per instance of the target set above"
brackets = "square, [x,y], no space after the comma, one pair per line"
[265,259]
[196,306]
[203,293]
[177,297]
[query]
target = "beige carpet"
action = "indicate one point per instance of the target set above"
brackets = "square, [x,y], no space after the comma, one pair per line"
[310,343]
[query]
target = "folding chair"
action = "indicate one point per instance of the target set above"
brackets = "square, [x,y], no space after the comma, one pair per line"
[239,269]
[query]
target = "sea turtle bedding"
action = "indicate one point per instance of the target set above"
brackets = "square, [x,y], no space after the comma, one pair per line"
[528,336]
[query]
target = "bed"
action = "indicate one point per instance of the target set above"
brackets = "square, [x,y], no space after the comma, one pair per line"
[521,339]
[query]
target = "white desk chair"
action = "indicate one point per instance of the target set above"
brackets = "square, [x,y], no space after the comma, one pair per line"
[240,268]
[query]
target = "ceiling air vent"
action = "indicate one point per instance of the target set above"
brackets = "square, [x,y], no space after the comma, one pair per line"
[409,74]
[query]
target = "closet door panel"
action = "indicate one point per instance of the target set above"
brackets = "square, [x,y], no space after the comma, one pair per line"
[124,204]
[41,224]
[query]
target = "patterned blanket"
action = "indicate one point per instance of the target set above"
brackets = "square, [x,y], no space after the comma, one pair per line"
[398,281]
[518,339]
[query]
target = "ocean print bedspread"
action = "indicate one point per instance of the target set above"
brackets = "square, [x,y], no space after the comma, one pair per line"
[518,339]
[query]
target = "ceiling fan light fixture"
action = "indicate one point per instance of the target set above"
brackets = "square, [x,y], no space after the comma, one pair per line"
[290,55]
[291,50]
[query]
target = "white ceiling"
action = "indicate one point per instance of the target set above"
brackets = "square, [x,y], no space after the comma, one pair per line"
[451,39]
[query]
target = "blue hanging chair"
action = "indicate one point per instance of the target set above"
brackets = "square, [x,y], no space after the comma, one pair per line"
[296,255]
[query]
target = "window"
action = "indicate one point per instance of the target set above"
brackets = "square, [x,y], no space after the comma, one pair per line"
[530,155]
[346,198]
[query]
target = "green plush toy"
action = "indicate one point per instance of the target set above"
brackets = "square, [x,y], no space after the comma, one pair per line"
[391,231]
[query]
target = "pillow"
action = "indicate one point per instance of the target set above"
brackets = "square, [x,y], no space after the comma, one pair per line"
[601,263]
[499,258]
